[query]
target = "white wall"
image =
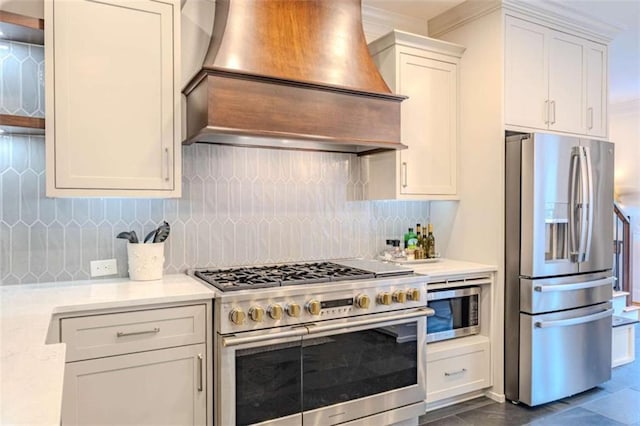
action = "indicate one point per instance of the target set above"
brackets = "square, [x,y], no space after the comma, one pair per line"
[477,224]
[625,133]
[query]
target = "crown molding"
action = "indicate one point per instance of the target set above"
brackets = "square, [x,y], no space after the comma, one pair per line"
[546,12]
[397,37]
[379,22]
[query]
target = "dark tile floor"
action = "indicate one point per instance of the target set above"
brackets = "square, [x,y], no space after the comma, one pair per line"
[616,402]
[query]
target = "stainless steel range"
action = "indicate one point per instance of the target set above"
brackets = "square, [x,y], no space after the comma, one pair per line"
[317,343]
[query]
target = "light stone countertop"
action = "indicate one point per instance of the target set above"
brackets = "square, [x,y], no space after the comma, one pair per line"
[449,267]
[32,368]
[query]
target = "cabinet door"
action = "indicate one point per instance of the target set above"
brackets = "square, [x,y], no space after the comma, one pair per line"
[147,388]
[429,125]
[566,82]
[526,74]
[596,89]
[112,97]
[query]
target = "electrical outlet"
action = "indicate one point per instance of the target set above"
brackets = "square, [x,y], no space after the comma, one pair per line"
[100,268]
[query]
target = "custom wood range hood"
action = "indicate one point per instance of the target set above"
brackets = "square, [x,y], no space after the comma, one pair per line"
[292,74]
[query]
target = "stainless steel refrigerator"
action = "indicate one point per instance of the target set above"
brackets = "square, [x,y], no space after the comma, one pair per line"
[558,270]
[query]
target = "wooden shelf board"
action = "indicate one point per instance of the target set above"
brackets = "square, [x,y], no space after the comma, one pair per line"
[17,124]
[20,28]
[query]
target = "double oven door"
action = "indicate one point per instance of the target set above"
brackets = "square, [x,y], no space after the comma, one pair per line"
[321,374]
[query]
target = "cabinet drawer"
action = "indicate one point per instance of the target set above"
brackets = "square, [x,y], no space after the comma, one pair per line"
[98,336]
[451,373]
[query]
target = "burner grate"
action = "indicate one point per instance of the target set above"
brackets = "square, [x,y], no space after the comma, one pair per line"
[280,275]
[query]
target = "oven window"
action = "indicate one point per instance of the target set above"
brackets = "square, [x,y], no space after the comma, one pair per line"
[348,366]
[267,382]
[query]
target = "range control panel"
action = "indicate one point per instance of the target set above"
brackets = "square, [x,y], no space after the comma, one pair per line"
[268,311]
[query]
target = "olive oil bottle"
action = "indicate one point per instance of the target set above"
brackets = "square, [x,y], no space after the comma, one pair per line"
[430,243]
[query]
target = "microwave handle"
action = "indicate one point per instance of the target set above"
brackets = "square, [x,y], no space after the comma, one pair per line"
[388,320]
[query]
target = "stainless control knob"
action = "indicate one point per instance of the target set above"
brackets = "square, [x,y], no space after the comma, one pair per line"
[363,301]
[413,295]
[400,296]
[313,307]
[236,316]
[384,298]
[293,310]
[275,312]
[256,313]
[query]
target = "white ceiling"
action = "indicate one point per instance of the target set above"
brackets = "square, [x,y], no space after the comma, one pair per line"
[624,51]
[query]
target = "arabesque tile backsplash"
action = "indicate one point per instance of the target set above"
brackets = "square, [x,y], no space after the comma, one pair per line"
[239,205]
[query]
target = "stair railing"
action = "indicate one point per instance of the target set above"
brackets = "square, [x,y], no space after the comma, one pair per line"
[622,251]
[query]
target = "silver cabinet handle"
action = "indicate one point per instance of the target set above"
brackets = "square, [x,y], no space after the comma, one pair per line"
[453,373]
[574,321]
[404,174]
[590,118]
[200,371]
[576,286]
[137,333]
[546,112]
[553,108]
[167,164]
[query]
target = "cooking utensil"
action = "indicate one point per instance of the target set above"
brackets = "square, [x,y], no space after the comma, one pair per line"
[134,238]
[162,233]
[129,236]
[150,235]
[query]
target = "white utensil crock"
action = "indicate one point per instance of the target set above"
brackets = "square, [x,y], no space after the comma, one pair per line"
[145,261]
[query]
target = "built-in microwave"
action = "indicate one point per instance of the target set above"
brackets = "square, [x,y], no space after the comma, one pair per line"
[457,313]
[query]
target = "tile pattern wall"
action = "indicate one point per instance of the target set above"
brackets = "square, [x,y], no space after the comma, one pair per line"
[239,206]
[22,83]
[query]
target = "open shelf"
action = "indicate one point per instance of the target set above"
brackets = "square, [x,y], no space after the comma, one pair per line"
[22,29]
[17,124]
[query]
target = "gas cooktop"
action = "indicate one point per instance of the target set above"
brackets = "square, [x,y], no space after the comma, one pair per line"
[244,278]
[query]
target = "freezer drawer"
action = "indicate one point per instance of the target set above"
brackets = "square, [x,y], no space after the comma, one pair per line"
[542,295]
[564,353]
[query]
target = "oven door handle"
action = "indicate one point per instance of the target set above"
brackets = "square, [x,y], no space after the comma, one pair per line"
[241,340]
[378,322]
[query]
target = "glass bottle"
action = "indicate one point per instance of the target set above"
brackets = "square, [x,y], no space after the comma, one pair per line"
[430,243]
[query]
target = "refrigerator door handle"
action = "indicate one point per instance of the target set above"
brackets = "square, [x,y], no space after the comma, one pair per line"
[576,286]
[574,321]
[573,205]
[588,224]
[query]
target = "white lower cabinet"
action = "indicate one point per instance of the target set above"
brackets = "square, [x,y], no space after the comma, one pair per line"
[148,388]
[457,366]
[141,367]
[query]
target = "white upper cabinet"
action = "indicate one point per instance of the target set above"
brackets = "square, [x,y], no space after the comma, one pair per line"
[596,92]
[554,80]
[425,70]
[113,98]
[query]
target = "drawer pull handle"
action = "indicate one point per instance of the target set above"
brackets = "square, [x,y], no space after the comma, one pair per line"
[200,370]
[137,333]
[455,372]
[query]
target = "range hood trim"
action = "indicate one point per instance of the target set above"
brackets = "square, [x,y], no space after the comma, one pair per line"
[290,141]
[231,73]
